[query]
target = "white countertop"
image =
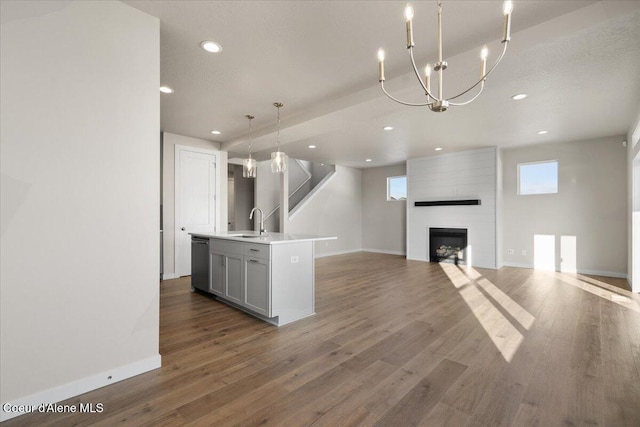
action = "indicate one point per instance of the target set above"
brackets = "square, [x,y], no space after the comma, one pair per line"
[266,239]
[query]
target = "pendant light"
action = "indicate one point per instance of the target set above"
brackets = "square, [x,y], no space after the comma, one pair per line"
[249,169]
[279,159]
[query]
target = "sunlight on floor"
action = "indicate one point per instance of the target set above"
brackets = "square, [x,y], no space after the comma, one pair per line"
[513,308]
[601,289]
[501,330]
[504,335]
[455,275]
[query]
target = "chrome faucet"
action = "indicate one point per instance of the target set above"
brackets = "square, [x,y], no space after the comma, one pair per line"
[262,230]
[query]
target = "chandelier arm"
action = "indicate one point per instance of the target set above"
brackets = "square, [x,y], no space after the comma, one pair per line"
[504,50]
[415,70]
[402,102]
[458,104]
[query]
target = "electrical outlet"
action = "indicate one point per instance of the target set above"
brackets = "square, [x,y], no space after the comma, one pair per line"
[295,259]
[524,253]
[510,251]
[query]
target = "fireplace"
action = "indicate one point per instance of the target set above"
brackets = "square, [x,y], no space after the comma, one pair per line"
[448,245]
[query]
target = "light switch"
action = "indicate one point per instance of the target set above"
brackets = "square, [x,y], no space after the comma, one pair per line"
[294,259]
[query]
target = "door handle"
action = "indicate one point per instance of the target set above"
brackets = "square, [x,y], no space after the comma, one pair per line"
[182,229]
[253,260]
[254,250]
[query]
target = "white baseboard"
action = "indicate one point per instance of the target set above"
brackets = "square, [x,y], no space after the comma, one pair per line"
[84,385]
[604,273]
[384,251]
[326,254]
[516,265]
[169,276]
[580,271]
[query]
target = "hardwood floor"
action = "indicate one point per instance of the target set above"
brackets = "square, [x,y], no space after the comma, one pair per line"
[394,343]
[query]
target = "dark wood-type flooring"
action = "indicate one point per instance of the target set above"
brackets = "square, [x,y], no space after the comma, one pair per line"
[394,343]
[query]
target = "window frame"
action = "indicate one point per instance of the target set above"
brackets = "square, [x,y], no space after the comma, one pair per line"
[556,161]
[389,178]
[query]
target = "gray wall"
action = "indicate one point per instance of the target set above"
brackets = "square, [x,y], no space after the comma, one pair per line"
[591,205]
[383,222]
[80,195]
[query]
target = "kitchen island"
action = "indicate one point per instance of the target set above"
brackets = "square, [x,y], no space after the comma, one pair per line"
[270,276]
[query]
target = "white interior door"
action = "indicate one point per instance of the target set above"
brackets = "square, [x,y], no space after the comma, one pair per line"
[195,201]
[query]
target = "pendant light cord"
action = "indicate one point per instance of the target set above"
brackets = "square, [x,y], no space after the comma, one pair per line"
[278,134]
[250,117]
[250,141]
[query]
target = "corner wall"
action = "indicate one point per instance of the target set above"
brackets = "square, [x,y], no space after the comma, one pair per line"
[633,200]
[384,223]
[335,210]
[79,143]
[590,206]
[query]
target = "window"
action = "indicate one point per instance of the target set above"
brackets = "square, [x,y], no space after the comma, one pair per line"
[397,188]
[538,178]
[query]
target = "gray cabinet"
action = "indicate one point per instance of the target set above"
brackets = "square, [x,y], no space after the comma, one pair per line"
[257,285]
[217,272]
[225,266]
[233,283]
[229,274]
[272,282]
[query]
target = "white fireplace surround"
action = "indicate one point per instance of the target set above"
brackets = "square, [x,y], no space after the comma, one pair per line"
[447,177]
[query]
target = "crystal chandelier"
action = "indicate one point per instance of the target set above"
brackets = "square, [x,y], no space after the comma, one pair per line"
[279,159]
[249,169]
[439,103]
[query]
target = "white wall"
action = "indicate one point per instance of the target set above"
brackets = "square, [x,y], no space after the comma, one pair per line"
[267,196]
[499,211]
[633,200]
[80,194]
[335,210]
[384,223]
[169,142]
[453,175]
[591,205]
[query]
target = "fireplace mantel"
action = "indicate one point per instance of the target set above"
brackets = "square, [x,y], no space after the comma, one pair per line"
[452,202]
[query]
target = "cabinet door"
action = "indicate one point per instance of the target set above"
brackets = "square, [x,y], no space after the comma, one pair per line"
[257,292]
[233,290]
[217,273]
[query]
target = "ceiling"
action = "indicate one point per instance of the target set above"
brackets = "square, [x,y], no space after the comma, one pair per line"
[579,61]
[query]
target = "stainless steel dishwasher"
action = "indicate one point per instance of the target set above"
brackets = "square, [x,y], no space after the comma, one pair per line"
[200,263]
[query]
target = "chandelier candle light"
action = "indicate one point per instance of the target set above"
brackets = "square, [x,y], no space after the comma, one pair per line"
[279,159]
[439,103]
[249,169]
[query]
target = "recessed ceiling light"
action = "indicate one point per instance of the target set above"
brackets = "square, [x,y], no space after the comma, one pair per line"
[519,96]
[438,148]
[543,132]
[166,89]
[216,132]
[210,46]
[368,160]
[312,146]
[388,128]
